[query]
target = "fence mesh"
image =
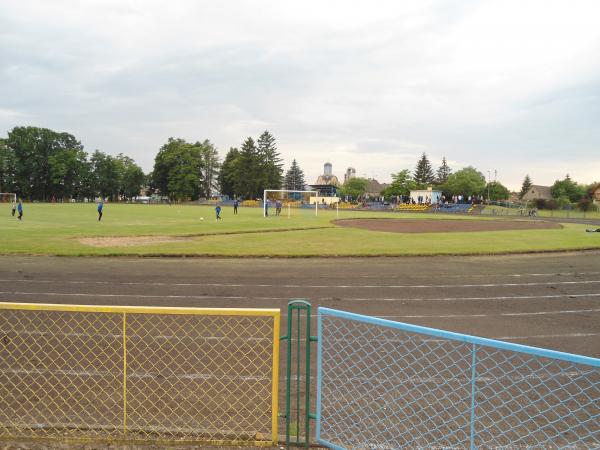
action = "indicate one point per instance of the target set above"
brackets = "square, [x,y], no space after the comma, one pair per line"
[385,387]
[148,376]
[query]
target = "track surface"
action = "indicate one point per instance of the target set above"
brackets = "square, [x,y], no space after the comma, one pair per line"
[546,300]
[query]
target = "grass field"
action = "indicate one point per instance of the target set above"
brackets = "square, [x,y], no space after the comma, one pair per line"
[73,229]
[565,214]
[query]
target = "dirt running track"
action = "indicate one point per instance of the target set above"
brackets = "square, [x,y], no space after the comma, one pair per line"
[544,300]
[445,225]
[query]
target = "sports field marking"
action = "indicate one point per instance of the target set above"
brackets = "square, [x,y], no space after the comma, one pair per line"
[141,375]
[314,286]
[321,299]
[200,297]
[546,336]
[460,316]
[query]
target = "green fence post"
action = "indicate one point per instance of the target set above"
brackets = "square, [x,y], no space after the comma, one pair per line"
[297,306]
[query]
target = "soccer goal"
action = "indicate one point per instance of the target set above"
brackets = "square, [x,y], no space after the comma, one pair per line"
[284,202]
[8,197]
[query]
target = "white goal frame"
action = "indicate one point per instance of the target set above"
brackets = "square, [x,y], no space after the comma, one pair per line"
[292,191]
[14,196]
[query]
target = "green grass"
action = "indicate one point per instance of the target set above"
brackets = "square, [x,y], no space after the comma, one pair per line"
[55,229]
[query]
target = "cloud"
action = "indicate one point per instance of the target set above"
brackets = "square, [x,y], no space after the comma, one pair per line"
[507,85]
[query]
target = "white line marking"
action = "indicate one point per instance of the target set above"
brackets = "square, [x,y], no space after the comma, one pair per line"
[306,286]
[119,374]
[208,297]
[546,336]
[451,316]
[321,299]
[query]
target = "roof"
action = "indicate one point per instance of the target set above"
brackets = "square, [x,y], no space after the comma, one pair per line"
[375,187]
[327,180]
[538,191]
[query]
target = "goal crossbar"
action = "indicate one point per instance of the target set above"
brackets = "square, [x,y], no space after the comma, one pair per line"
[316,193]
[10,195]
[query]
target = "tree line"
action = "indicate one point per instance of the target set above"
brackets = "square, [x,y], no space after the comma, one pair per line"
[41,164]
[467,181]
[564,193]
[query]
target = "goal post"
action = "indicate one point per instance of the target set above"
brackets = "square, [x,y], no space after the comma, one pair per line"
[8,197]
[289,198]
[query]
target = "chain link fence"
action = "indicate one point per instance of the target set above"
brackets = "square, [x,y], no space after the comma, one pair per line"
[138,374]
[388,385]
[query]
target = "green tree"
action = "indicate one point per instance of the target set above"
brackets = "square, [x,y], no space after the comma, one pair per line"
[177,173]
[106,175]
[8,168]
[423,175]
[270,165]
[402,184]
[131,177]
[294,178]
[209,168]
[467,181]
[443,172]
[567,188]
[525,186]
[248,181]
[497,191]
[230,172]
[69,173]
[354,187]
[33,147]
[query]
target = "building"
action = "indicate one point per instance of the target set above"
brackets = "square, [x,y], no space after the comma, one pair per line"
[374,189]
[350,173]
[595,193]
[425,196]
[326,184]
[537,192]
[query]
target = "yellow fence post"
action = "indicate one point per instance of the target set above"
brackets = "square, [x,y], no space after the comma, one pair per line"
[275,387]
[124,374]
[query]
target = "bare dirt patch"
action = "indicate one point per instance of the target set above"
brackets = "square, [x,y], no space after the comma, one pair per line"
[129,241]
[444,226]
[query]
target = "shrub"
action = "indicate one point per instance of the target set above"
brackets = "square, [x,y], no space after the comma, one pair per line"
[540,203]
[551,204]
[584,204]
[563,202]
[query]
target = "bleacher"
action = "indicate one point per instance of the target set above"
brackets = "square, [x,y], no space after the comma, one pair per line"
[412,207]
[458,208]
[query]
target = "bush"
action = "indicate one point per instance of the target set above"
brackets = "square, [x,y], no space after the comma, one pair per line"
[551,204]
[584,204]
[540,203]
[563,202]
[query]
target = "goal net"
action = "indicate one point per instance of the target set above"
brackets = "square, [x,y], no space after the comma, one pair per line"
[8,197]
[287,203]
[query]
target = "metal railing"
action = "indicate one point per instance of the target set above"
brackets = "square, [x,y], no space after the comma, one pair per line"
[104,373]
[388,385]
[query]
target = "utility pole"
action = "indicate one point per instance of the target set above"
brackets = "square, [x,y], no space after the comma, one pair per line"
[489,181]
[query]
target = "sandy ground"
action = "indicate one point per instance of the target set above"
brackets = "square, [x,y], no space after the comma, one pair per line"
[445,225]
[128,241]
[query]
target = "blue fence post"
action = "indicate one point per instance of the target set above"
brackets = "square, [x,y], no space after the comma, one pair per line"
[473,401]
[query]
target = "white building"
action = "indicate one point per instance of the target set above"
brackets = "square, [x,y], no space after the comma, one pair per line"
[425,196]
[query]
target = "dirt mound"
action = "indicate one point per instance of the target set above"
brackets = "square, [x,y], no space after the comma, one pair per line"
[444,225]
[129,241]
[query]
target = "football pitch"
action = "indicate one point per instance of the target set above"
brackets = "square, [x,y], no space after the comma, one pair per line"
[192,230]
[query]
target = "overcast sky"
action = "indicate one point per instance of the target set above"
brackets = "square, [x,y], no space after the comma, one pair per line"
[512,86]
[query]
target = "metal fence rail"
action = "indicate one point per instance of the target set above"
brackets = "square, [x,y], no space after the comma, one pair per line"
[138,374]
[387,385]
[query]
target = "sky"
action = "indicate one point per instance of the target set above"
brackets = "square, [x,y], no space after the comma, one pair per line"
[509,86]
